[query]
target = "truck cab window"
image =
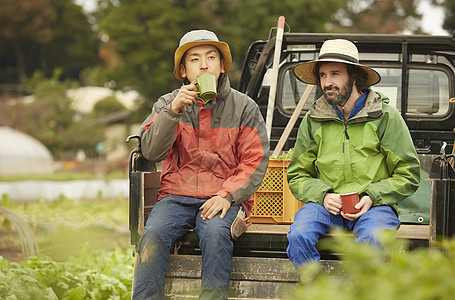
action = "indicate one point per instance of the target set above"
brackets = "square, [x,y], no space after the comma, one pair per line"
[428,92]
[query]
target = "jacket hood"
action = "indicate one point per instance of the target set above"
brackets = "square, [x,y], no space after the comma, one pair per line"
[224,86]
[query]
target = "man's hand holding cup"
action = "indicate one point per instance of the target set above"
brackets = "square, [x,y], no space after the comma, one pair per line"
[187,95]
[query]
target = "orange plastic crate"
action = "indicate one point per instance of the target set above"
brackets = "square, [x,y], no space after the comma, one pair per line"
[273,201]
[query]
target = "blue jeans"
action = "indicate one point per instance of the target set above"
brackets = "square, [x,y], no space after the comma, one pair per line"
[169,220]
[313,221]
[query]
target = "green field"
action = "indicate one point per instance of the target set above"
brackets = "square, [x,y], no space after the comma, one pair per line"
[82,248]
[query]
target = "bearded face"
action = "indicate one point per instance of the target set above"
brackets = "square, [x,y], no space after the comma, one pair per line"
[335,83]
[338,95]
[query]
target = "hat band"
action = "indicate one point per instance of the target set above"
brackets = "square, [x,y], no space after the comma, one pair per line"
[339,56]
[199,40]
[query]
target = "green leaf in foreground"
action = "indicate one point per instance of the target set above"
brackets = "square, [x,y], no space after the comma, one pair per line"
[92,275]
[393,273]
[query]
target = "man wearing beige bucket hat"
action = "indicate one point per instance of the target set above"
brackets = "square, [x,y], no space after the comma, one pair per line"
[350,142]
[214,156]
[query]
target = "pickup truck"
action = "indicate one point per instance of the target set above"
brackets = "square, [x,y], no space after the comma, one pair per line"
[418,75]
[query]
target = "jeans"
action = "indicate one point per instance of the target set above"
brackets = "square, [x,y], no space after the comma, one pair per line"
[169,220]
[313,221]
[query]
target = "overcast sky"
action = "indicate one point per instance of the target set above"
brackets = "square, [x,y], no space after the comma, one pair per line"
[432,18]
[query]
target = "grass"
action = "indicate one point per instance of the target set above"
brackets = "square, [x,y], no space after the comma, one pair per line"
[63,227]
[65,176]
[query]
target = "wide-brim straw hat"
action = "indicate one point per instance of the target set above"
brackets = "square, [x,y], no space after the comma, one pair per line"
[338,50]
[197,38]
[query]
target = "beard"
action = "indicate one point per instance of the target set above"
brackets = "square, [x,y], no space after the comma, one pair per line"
[338,96]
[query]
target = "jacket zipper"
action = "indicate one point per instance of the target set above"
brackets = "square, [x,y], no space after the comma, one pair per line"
[346,129]
[345,132]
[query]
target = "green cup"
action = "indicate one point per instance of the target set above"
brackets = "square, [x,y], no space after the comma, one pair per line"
[207,87]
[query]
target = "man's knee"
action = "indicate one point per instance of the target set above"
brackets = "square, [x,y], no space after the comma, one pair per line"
[369,227]
[301,248]
[153,238]
[377,219]
[300,236]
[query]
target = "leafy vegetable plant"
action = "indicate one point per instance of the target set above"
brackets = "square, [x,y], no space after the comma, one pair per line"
[366,273]
[92,275]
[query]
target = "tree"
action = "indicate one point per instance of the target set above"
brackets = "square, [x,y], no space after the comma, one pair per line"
[24,21]
[449,10]
[45,35]
[74,46]
[380,16]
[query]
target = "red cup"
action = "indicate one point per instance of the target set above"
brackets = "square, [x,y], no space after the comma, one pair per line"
[348,201]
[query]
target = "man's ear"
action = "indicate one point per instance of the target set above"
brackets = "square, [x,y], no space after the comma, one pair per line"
[222,65]
[182,71]
[354,86]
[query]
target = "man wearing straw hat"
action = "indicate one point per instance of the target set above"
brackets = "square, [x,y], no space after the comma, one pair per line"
[351,140]
[214,156]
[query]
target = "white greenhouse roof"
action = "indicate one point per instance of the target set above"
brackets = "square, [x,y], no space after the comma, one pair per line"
[22,154]
[85,98]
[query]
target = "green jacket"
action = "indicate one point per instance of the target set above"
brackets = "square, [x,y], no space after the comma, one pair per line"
[372,153]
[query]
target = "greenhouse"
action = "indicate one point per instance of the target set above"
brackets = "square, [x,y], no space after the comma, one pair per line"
[22,154]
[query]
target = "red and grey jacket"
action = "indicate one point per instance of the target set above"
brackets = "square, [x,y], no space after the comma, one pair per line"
[220,148]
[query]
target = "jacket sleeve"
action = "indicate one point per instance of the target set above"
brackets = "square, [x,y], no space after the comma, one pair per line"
[401,159]
[158,130]
[301,172]
[253,153]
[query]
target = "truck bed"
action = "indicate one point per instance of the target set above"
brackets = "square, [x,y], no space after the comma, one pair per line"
[413,232]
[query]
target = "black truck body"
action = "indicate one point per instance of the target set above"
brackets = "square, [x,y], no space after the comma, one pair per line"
[418,75]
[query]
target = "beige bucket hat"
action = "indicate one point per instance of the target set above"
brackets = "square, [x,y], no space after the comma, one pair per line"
[197,38]
[338,50]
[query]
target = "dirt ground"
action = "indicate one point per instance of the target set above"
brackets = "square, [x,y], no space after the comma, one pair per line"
[10,247]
